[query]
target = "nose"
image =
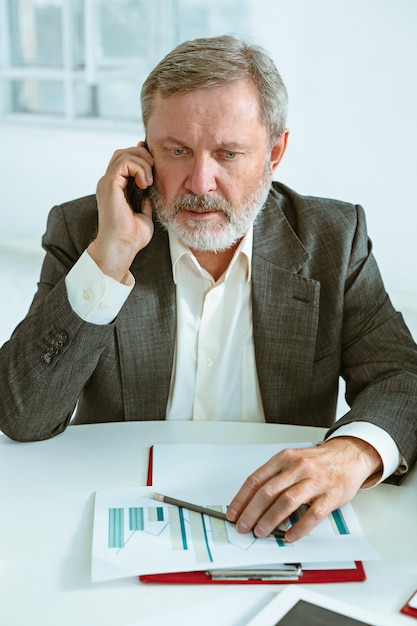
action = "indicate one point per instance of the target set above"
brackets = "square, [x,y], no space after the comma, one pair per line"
[201,178]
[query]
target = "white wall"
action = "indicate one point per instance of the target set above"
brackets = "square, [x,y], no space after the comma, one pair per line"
[350,68]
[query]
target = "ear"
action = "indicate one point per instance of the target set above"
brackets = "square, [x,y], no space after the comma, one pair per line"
[278,149]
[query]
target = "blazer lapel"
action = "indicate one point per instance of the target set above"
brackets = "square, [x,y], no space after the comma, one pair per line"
[149,325]
[285,306]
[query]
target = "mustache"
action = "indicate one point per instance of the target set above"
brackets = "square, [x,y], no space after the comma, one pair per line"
[201,204]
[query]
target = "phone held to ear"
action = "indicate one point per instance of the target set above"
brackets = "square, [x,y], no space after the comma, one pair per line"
[135,195]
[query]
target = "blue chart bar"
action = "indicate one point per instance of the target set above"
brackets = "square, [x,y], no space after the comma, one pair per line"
[339,520]
[136,518]
[294,517]
[156,514]
[199,536]
[177,528]
[116,528]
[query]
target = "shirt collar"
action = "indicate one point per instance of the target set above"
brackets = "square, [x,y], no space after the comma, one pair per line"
[179,250]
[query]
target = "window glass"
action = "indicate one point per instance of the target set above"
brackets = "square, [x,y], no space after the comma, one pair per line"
[123,31]
[36,32]
[84,100]
[115,100]
[45,97]
[76,35]
[199,18]
[119,100]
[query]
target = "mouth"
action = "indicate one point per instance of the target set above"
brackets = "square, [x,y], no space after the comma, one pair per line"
[201,214]
[203,211]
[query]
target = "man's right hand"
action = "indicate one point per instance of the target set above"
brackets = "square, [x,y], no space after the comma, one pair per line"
[122,232]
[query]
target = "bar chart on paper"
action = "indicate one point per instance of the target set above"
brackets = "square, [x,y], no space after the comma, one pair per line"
[133,536]
[189,530]
[186,530]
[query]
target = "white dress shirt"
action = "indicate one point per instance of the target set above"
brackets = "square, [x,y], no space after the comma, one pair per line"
[214,374]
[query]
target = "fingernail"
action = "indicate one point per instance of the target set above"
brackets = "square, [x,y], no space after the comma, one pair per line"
[290,537]
[259,532]
[242,527]
[231,513]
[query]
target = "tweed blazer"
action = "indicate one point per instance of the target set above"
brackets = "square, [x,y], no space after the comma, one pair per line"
[320,311]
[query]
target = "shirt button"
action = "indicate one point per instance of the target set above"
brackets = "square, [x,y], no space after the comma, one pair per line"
[104,305]
[213,296]
[208,362]
[87,294]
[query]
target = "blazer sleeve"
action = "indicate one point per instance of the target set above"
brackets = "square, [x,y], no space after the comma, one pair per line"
[379,356]
[52,353]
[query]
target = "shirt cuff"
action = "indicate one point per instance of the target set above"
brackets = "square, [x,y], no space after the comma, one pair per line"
[392,459]
[93,296]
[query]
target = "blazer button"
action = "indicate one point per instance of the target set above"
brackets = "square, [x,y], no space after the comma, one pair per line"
[46,357]
[61,336]
[57,341]
[56,344]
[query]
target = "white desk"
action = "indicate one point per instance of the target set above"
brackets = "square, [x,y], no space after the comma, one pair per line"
[46,496]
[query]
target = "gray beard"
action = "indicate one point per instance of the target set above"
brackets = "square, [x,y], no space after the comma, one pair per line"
[205,235]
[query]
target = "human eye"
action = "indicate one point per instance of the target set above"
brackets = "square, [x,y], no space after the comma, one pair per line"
[230,155]
[177,151]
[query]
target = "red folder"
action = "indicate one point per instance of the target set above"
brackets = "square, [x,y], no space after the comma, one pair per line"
[356,574]
[307,577]
[409,610]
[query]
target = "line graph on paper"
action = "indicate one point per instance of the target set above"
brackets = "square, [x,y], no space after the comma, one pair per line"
[132,536]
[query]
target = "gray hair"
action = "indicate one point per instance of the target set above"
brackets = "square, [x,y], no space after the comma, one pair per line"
[215,61]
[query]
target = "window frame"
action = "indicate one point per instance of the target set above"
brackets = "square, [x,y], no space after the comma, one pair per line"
[164,27]
[91,75]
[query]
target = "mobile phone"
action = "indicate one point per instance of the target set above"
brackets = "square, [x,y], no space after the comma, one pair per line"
[134,194]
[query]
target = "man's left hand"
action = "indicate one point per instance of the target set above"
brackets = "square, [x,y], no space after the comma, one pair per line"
[325,477]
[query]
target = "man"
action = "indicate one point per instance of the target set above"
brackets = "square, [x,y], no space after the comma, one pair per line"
[224,298]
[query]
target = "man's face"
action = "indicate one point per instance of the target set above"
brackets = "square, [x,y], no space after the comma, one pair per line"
[213,167]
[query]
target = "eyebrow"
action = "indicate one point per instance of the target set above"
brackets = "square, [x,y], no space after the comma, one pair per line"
[229,145]
[172,140]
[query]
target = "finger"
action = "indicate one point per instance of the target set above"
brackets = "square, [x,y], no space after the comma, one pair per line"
[266,505]
[248,491]
[272,504]
[285,466]
[292,500]
[137,151]
[136,168]
[143,144]
[147,207]
[311,518]
[135,162]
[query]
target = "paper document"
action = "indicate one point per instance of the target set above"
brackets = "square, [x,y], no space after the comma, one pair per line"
[182,468]
[136,535]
